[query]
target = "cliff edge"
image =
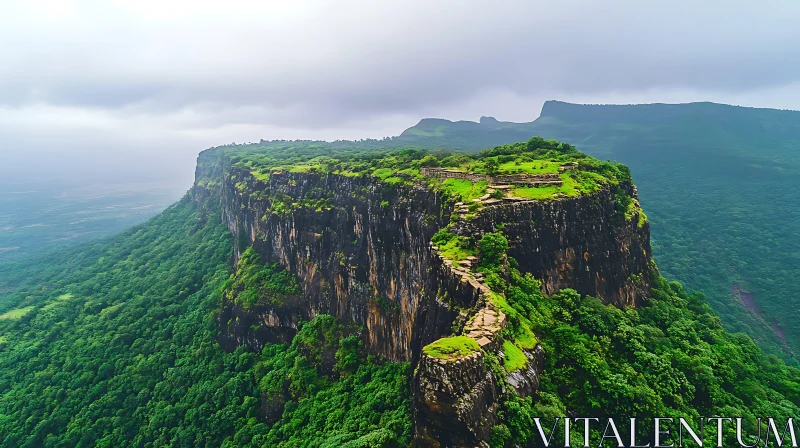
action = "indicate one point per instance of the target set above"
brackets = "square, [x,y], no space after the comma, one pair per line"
[399,250]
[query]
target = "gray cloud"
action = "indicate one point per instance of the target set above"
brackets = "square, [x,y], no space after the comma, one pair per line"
[157,75]
[382,57]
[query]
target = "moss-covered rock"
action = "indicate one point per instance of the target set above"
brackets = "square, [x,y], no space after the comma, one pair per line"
[451,348]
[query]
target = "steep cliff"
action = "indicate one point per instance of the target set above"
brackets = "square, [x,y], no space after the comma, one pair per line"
[584,243]
[360,248]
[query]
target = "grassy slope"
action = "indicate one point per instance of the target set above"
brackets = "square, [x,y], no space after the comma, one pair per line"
[452,347]
[717,183]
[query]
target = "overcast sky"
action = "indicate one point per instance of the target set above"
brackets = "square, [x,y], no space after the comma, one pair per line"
[144,85]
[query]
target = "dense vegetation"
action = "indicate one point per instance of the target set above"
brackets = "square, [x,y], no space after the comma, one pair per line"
[256,283]
[113,344]
[719,184]
[345,400]
[671,357]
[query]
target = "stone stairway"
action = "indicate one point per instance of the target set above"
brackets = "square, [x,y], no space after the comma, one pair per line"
[485,325]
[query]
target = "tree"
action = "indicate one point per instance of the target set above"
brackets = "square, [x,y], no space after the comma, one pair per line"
[492,248]
[429,161]
[491,167]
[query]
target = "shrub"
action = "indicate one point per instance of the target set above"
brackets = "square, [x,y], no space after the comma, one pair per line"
[495,282]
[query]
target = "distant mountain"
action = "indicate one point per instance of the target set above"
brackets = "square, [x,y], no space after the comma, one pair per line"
[720,183]
[433,132]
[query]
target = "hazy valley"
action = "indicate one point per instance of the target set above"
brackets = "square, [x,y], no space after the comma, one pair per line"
[38,215]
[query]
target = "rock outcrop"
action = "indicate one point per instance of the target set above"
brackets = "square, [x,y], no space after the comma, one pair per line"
[455,401]
[259,324]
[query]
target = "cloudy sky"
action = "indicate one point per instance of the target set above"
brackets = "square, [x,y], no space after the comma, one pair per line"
[141,86]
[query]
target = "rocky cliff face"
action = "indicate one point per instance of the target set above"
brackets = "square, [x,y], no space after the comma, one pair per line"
[584,243]
[455,401]
[360,249]
[260,324]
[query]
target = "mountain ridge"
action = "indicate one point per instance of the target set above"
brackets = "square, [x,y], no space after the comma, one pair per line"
[553,108]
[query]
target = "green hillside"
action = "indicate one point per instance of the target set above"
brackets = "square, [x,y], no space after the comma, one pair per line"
[719,183]
[114,344]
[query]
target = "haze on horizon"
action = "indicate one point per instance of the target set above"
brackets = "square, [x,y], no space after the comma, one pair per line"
[133,90]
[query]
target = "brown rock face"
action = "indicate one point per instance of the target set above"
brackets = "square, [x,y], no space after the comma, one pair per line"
[455,401]
[263,323]
[526,381]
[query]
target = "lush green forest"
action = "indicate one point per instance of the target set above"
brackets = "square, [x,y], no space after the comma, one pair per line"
[113,344]
[719,183]
[671,357]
